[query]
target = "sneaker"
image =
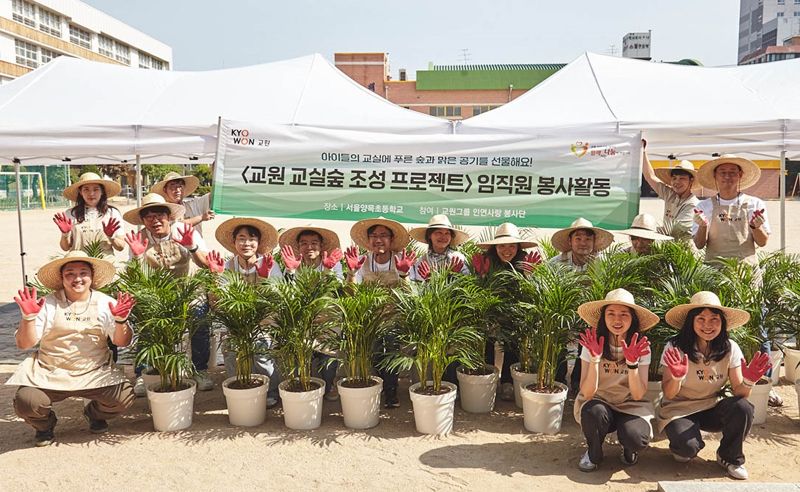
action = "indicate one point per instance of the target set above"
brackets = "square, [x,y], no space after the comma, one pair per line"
[507,392]
[680,459]
[44,438]
[332,394]
[139,388]
[739,472]
[204,381]
[775,399]
[391,400]
[628,458]
[585,464]
[96,426]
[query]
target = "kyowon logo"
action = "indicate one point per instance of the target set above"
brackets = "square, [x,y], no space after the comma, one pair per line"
[580,148]
[243,137]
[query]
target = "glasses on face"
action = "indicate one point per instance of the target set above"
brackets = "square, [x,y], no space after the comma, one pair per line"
[154,217]
[380,236]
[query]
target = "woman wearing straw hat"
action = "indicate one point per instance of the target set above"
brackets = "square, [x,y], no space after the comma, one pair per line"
[251,241]
[506,251]
[441,238]
[579,243]
[676,185]
[643,233]
[699,361]
[92,219]
[177,189]
[386,263]
[614,377]
[70,327]
[311,246]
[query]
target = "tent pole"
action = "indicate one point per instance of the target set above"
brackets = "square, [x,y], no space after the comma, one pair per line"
[138,181]
[782,191]
[19,222]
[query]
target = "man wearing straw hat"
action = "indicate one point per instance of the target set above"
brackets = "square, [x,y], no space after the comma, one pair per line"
[675,185]
[580,243]
[177,189]
[643,234]
[70,327]
[172,245]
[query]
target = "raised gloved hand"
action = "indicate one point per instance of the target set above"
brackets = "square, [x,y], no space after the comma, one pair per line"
[700,218]
[329,260]
[215,262]
[354,260]
[456,265]
[263,270]
[137,243]
[424,270]
[531,260]
[589,341]
[291,261]
[480,264]
[28,303]
[63,222]
[757,220]
[404,261]
[110,227]
[676,362]
[185,236]
[637,348]
[757,367]
[122,309]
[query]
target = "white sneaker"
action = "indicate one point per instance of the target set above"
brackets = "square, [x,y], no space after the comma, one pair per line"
[585,464]
[139,388]
[507,392]
[204,381]
[775,399]
[739,472]
[680,459]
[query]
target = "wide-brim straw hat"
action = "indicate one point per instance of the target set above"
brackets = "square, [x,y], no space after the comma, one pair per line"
[645,226]
[750,171]
[151,200]
[191,184]
[358,233]
[508,233]
[735,318]
[602,238]
[269,235]
[50,274]
[665,173]
[590,311]
[330,240]
[439,222]
[112,187]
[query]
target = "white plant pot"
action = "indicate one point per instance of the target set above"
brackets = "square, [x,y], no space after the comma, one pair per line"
[797,390]
[173,410]
[478,392]
[361,406]
[790,361]
[653,393]
[433,414]
[246,407]
[520,379]
[775,357]
[542,412]
[759,397]
[148,380]
[302,410]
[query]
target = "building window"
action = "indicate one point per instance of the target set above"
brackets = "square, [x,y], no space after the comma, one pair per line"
[23,12]
[452,110]
[122,53]
[781,2]
[437,110]
[48,55]
[49,22]
[797,14]
[105,46]
[476,110]
[27,54]
[80,37]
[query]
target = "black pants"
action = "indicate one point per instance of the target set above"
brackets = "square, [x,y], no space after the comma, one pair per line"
[390,378]
[598,419]
[509,358]
[324,367]
[733,416]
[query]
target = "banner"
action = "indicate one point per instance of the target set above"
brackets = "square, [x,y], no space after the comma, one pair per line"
[317,173]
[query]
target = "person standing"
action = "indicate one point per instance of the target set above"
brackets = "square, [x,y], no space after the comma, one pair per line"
[675,185]
[178,189]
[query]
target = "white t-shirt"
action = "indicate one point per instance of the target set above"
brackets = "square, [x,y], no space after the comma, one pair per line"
[195,206]
[233,265]
[92,213]
[376,267]
[735,355]
[753,204]
[616,353]
[44,320]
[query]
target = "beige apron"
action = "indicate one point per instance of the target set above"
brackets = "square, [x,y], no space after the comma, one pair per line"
[90,231]
[729,234]
[73,353]
[679,210]
[699,391]
[168,254]
[390,278]
[612,388]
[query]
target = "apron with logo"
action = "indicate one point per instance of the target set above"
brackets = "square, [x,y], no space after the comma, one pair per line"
[729,234]
[679,210]
[90,231]
[73,353]
[168,254]
[390,278]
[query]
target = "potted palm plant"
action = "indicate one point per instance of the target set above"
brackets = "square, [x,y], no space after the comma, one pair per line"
[363,313]
[792,330]
[242,307]
[298,322]
[781,271]
[164,317]
[437,327]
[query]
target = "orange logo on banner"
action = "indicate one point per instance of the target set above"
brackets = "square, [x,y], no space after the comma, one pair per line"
[580,148]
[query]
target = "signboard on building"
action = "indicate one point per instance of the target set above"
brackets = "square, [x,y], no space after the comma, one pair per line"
[636,45]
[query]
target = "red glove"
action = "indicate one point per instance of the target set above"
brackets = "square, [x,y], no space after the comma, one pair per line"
[63,222]
[757,220]
[265,268]
[424,270]
[676,362]
[291,261]
[28,303]
[111,227]
[122,309]
[590,342]
[404,261]
[757,368]
[480,264]
[636,349]
[530,262]
[185,236]
[700,218]
[354,261]
[215,262]
[330,260]
[456,265]
[137,242]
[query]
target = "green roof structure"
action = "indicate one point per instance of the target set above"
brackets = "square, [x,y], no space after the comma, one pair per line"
[484,77]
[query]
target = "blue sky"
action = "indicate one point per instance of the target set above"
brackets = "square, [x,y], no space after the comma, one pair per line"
[206,34]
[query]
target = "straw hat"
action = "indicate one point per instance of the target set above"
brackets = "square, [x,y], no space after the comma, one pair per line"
[676,316]
[590,311]
[439,222]
[750,171]
[112,187]
[151,200]
[269,235]
[665,173]
[358,233]
[645,226]
[330,240]
[508,233]
[602,238]
[191,184]
[50,274]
